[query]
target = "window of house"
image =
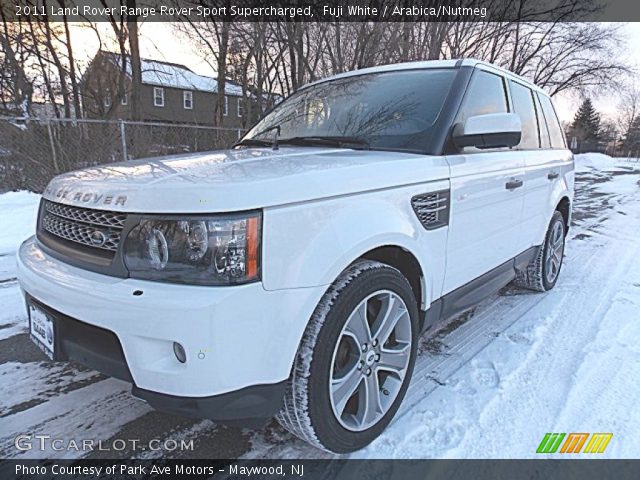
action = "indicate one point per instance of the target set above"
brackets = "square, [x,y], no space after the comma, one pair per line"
[158,96]
[240,107]
[523,105]
[187,100]
[555,131]
[225,112]
[124,99]
[107,98]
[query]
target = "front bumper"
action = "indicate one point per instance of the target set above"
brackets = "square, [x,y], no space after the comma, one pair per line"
[248,407]
[234,337]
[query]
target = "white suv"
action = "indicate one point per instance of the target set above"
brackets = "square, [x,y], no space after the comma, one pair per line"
[292,275]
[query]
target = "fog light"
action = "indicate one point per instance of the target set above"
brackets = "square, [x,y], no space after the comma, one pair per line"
[180,353]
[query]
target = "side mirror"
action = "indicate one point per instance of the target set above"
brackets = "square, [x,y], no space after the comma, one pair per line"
[493,130]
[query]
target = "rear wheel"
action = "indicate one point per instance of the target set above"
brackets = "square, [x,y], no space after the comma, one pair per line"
[355,360]
[543,271]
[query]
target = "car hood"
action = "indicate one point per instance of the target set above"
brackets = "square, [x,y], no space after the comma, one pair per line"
[240,179]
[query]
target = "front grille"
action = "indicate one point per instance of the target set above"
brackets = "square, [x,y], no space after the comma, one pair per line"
[96,229]
[85,215]
[432,209]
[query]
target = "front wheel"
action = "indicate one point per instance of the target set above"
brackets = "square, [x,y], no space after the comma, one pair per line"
[543,271]
[355,361]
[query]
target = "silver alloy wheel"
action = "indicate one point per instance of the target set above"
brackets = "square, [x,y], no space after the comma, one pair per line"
[370,360]
[555,250]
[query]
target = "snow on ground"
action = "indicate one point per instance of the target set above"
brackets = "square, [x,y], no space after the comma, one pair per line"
[488,385]
[18,211]
[105,407]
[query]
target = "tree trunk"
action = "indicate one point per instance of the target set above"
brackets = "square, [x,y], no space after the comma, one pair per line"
[134,57]
[45,76]
[223,41]
[23,90]
[62,74]
[72,67]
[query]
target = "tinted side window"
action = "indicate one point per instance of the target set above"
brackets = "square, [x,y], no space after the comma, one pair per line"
[555,131]
[485,95]
[542,125]
[523,105]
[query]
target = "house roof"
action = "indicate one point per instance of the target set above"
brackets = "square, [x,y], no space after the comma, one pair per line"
[167,74]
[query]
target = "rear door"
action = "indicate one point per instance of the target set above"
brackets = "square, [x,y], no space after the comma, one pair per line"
[546,171]
[486,210]
[538,158]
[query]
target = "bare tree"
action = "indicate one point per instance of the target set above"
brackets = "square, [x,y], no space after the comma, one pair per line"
[562,55]
[73,77]
[628,110]
[211,39]
[17,89]
[134,58]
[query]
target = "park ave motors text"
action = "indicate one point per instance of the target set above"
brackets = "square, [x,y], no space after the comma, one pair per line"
[246,12]
[159,470]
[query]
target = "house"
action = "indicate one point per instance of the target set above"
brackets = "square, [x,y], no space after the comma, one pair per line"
[170,92]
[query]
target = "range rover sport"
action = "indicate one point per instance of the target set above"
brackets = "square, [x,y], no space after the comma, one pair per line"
[292,274]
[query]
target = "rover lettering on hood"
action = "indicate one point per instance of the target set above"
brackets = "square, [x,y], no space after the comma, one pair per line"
[89,198]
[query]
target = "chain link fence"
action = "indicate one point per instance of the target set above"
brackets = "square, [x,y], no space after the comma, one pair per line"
[32,151]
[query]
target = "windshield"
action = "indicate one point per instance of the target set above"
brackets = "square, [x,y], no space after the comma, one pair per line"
[390,110]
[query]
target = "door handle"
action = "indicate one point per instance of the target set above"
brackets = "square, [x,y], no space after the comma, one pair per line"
[513,184]
[553,175]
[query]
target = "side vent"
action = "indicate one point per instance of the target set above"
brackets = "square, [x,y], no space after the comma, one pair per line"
[432,209]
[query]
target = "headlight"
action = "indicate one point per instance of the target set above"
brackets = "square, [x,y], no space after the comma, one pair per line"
[199,250]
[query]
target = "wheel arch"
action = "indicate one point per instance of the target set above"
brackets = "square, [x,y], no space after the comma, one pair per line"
[564,207]
[560,201]
[396,254]
[407,263]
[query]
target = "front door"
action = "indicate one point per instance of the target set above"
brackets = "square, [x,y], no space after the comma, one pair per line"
[487,193]
[485,226]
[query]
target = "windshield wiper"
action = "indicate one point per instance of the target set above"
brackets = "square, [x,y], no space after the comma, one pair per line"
[252,142]
[257,142]
[329,140]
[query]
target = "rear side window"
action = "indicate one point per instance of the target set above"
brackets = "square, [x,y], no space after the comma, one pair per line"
[485,94]
[555,131]
[542,125]
[523,105]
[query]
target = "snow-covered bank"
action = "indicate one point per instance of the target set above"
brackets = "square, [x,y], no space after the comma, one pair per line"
[18,211]
[597,161]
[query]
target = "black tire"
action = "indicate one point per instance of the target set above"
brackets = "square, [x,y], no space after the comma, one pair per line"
[307,410]
[536,275]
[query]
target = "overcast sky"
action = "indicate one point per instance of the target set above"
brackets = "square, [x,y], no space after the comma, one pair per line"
[159,42]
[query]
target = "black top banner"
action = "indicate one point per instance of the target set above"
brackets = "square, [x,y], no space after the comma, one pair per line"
[322,10]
